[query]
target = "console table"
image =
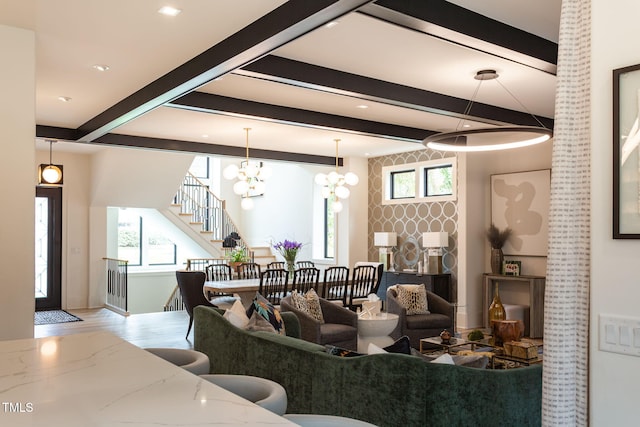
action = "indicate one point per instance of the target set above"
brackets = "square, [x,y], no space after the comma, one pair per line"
[439,284]
[536,299]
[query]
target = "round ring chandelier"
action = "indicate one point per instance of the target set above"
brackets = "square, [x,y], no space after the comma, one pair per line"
[509,136]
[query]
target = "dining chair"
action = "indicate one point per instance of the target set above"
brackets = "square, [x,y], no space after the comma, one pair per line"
[305,264]
[248,270]
[335,283]
[191,285]
[305,279]
[273,284]
[218,273]
[363,282]
[275,265]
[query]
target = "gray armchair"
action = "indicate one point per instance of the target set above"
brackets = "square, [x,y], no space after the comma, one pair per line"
[340,327]
[418,326]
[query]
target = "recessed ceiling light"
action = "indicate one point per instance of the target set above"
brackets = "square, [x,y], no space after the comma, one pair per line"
[169,11]
[466,125]
[64,98]
[204,135]
[331,24]
[101,67]
[367,154]
[362,106]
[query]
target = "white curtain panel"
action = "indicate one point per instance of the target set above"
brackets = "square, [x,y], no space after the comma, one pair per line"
[566,320]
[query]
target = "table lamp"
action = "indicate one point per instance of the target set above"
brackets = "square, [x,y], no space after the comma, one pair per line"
[385,241]
[433,242]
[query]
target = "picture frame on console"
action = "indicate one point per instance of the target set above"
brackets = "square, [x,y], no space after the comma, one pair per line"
[626,154]
[511,268]
[520,201]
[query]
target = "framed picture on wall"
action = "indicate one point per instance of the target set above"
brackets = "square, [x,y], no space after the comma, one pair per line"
[520,201]
[626,155]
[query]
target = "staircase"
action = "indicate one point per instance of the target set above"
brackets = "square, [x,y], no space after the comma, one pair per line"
[201,215]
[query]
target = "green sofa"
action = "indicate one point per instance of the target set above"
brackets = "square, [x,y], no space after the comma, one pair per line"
[383,389]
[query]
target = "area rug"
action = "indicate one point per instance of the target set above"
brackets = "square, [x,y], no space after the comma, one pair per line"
[54,316]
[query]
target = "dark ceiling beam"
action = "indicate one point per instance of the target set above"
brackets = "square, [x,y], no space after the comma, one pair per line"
[288,71]
[280,26]
[216,104]
[129,141]
[456,24]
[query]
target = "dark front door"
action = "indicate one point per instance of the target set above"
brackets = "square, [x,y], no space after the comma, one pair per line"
[48,249]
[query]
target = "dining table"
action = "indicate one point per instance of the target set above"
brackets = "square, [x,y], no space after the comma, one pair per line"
[99,379]
[244,288]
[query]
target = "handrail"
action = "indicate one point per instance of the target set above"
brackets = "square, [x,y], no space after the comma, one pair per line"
[174,303]
[195,198]
[117,290]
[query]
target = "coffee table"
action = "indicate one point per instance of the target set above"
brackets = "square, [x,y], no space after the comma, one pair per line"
[375,329]
[454,344]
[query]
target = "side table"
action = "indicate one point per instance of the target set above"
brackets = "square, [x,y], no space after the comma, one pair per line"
[535,285]
[375,329]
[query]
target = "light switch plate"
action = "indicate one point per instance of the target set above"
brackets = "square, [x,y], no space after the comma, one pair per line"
[619,334]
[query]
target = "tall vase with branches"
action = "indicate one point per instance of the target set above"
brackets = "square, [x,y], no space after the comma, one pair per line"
[497,238]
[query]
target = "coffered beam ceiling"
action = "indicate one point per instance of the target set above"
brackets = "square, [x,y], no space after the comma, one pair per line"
[282,25]
[247,53]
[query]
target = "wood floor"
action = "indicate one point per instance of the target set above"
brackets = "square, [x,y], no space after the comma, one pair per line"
[166,329]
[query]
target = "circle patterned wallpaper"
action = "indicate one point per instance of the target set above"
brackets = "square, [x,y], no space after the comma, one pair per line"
[410,220]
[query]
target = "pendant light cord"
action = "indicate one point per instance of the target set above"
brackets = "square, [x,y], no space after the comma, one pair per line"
[247,145]
[336,140]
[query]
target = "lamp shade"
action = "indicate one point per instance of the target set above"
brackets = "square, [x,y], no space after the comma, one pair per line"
[437,239]
[385,239]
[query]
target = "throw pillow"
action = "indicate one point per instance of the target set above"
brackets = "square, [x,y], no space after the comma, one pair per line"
[313,305]
[265,309]
[401,345]
[445,359]
[374,349]
[340,352]
[308,303]
[259,323]
[237,315]
[413,298]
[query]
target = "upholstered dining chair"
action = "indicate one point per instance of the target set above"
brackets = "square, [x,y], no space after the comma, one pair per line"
[275,264]
[305,264]
[191,285]
[335,282]
[364,280]
[248,270]
[273,284]
[305,279]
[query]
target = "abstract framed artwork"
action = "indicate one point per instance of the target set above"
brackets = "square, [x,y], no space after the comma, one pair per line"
[626,155]
[520,201]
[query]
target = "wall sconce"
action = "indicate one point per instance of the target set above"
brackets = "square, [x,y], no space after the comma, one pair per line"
[385,241]
[50,174]
[433,242]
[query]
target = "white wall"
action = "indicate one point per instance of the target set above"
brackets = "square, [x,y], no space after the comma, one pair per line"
[615,289]
[148,292]
[475,217]
[287,208]
[17,235]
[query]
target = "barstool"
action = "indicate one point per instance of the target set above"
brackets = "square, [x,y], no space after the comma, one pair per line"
[193,361]
[261,391]
[314,420]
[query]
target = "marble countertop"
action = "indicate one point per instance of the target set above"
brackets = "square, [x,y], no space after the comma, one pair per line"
[98,379]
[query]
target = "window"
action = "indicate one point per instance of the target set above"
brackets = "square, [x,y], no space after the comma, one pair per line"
[141,242]
[130,237]
[438,181]
[403,184]
[329,228]
[429,181]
